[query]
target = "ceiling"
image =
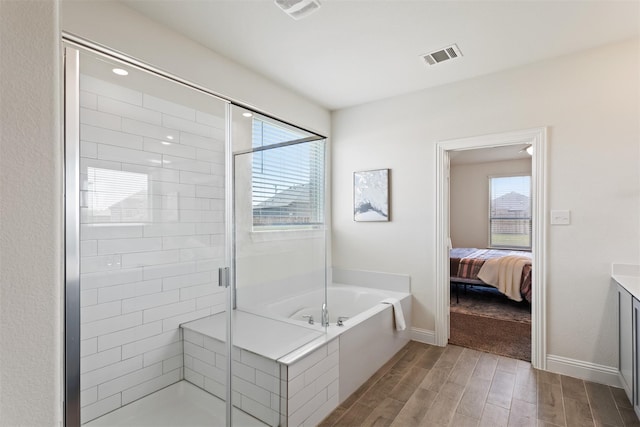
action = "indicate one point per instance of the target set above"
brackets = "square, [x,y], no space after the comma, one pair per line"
[352,52]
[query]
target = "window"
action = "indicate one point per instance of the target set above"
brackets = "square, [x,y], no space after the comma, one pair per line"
[287,181]
[117,196]
[510,212]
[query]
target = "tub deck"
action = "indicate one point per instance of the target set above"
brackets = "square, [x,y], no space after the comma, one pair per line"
[261,335]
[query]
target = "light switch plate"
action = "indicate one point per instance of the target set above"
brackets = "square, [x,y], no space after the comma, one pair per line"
[560,217]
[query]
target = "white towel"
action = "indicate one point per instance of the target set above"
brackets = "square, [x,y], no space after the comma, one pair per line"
[397,312]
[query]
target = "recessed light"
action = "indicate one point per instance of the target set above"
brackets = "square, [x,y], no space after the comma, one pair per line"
[120,71]
[156,161]
[165,143]
[247,114]
[166,162]
[528,149]
[170,137]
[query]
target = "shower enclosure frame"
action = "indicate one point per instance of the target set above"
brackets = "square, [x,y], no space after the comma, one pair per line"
[72,46]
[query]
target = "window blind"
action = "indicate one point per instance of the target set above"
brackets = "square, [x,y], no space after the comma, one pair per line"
[288,181]
[117,196]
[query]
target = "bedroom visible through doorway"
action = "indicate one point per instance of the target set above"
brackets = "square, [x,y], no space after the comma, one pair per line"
[490,244]
[490,262]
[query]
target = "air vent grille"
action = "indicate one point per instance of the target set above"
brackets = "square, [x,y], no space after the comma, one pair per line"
[441,55]
[451,52]
[298,9]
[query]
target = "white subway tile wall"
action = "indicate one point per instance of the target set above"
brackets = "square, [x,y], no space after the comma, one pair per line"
[152,236]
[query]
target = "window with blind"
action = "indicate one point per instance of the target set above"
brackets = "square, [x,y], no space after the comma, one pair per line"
[510,212]
[287,181]
[117,196]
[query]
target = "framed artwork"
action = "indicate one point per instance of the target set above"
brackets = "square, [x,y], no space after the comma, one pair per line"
[371,195]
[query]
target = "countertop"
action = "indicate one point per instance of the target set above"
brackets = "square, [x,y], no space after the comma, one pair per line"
[627,276]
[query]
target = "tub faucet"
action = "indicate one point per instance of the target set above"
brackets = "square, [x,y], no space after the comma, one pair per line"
[325,315]
[341,320]
[310,317]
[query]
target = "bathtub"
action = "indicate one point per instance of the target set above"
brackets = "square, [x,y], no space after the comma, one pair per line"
[290,346]
[355,303]
[368,330]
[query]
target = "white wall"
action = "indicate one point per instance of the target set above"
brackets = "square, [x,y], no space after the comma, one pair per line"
[31,215]
[590,103]
[120,28]
[469,199]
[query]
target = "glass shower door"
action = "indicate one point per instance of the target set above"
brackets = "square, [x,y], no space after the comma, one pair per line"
[149,168]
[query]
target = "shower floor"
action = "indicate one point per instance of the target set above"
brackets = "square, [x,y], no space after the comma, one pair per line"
[180,404]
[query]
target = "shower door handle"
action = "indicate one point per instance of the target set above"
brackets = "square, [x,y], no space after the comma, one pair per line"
[223,277]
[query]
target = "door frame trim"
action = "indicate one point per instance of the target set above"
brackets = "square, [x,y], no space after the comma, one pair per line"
[537,138]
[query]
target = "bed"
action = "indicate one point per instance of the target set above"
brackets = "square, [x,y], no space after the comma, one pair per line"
[507,270]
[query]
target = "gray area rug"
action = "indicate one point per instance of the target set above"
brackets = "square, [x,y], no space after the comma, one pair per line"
[488,321]
[489,302]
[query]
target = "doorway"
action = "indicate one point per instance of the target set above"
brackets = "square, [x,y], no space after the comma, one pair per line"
[536,138]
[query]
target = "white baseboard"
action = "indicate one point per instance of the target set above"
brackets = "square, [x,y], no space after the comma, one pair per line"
[584,370]
[601,374]
[423,335]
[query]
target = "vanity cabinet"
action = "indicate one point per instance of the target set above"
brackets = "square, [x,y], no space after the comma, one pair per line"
[626,341]
[626,278]
[636,357]
[629,340]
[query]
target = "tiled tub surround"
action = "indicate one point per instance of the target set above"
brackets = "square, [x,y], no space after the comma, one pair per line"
[149,248]
[368,328]
[256,379]
[301,392]
[317,367]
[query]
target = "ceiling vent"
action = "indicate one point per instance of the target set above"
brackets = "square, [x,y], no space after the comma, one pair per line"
[298,9]
[450,52]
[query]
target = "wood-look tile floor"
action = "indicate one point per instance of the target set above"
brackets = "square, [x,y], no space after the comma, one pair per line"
[424,385]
